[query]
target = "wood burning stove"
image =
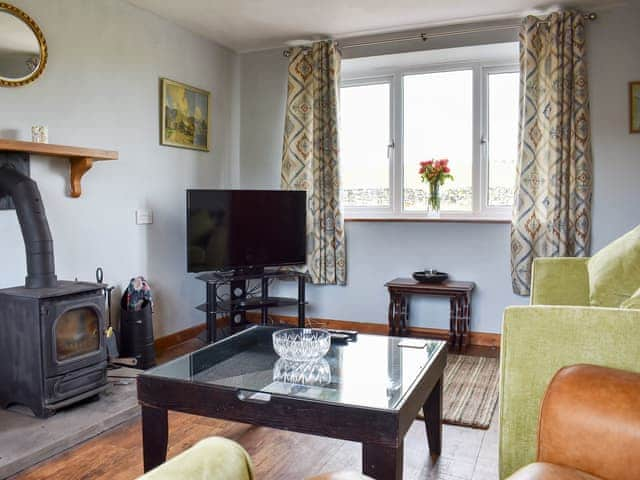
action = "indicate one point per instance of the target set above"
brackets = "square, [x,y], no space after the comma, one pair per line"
[52,347]
[52,350]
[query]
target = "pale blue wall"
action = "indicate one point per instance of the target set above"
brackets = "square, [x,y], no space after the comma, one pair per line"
[100,89]
[78,80]
[378,252]
[381,251]
[613,63]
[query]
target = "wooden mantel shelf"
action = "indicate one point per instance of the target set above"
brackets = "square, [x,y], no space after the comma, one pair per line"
[80,159]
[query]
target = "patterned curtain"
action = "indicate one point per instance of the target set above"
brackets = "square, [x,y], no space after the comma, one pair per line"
[310,157]
[552,211]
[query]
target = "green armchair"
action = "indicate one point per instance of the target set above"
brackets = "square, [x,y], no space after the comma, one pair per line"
[214,458]
[558,329]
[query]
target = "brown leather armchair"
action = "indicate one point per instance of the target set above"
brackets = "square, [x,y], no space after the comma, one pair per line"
[589,427]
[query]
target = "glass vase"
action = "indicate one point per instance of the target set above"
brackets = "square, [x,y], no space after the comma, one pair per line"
[433,201]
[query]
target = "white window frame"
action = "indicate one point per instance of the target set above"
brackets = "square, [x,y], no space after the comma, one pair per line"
[480,137]
[365,211]
[495,211]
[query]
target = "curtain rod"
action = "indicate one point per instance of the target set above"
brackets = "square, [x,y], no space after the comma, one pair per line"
[428,36]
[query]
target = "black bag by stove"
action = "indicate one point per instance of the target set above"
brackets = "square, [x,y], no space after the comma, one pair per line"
[136,334]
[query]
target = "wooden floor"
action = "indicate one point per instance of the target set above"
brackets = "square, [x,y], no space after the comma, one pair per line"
[277,455]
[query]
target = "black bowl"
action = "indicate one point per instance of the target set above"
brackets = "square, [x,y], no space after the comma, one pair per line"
[430,277]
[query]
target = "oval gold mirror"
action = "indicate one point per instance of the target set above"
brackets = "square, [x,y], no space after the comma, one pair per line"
[23,49]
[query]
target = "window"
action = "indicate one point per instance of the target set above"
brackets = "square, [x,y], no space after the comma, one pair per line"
[502,136]
[389,123]
[438,123]
[365,130]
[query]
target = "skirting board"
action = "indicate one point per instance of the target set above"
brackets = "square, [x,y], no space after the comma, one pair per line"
[475,338]
[162,344]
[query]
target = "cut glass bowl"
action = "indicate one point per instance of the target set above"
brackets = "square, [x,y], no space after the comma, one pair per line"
[315,373]
[301,344]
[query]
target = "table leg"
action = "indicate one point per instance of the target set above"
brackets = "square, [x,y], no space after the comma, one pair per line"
[391,318]
[452,322]
[459,322]
[380,462]
[466,321]
[155,432]
[264,293]
[395,314]
[302,301]
[404,315]
[432,410]
[212,311]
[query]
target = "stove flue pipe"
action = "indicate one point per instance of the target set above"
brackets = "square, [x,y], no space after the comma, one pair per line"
[35,228]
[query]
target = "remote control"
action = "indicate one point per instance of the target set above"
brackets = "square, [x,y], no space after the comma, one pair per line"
[340,337]
[349,333]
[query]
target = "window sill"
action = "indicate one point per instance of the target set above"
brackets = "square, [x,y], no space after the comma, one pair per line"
[497,220]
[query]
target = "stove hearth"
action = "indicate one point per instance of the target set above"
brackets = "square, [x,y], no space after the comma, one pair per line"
[52,350]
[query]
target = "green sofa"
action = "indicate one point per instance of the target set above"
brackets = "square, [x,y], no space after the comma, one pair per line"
[558,329]
[214,458]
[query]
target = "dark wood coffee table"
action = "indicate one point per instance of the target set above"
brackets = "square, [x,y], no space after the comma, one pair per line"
[367,391]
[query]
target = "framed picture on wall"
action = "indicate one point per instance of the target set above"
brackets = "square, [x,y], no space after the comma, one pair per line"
[184,116]
[634,107]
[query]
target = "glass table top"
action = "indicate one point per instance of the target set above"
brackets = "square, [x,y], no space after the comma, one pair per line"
[373,371]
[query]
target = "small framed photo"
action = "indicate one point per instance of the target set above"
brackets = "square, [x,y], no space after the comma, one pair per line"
[184,116]
[634,107]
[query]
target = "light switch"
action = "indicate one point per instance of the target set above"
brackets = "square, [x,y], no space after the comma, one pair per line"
[144,217]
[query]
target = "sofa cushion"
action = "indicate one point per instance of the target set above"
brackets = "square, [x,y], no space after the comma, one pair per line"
[213,458]
[614,272]
[633,301]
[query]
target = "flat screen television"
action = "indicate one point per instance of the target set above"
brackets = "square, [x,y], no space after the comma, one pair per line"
[245,229]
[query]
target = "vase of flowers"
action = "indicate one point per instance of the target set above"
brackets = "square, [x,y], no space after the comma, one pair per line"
[435,173]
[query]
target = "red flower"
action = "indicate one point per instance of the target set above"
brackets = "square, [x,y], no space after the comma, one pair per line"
[422,169]
[446,169]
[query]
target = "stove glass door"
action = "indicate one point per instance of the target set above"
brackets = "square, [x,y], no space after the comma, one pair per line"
[77,332]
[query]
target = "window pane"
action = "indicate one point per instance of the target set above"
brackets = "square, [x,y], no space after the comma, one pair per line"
[364,137]
[503,137]
[438,123]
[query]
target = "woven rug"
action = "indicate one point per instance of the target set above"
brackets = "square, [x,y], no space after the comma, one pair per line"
[470,390]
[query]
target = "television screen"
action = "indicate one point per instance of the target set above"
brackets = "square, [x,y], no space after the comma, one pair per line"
[234,229]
